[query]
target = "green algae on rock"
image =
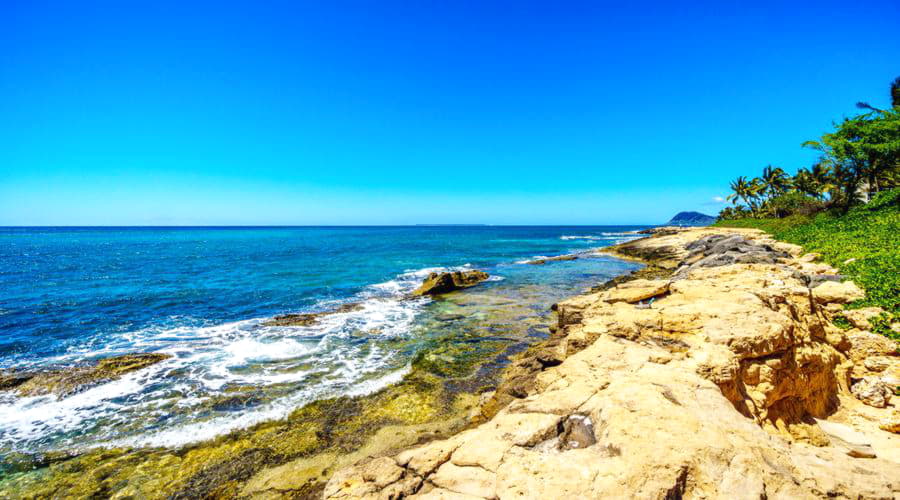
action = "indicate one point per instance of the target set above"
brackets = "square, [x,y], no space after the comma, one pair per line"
[309,319]
[66,381]
[438,283]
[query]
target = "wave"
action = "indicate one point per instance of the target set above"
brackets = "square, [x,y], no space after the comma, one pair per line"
[345,353]
[605,236]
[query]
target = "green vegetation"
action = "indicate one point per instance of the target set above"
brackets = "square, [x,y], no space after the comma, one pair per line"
[846,206]
[862,244]
[859,159]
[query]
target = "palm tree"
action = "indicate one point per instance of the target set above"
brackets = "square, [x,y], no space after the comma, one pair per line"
[774,181]
[746,191]
[805,183]
[821,174]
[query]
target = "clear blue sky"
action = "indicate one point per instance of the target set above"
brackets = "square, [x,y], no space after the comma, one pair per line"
[417,112]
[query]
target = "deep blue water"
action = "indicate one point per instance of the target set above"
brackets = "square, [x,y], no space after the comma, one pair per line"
[69,295]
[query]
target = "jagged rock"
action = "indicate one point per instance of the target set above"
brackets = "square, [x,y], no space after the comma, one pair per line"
[438,283]
[866,344]
[309,319]
[891,423]
[877,363]
[872,391]
[66,381]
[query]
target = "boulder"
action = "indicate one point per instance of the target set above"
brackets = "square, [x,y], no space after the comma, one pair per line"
[872,391]
[438,283]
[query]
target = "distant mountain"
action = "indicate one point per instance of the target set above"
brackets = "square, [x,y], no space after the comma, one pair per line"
[691,219]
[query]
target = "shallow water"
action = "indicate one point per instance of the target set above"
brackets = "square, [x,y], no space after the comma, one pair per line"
[202,294]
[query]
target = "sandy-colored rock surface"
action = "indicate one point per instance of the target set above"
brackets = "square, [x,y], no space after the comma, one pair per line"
[732,384]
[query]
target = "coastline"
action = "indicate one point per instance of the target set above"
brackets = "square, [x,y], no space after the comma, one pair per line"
[297,454]
[735,384]
[603,391]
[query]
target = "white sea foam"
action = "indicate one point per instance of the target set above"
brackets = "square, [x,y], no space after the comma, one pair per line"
[342,354]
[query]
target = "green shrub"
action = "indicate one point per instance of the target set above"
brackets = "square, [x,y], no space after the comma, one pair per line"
[788,204]
[862,244]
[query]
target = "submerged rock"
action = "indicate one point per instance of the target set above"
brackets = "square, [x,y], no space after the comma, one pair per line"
[66,381]
[438,283]
[538,262]
[309,319]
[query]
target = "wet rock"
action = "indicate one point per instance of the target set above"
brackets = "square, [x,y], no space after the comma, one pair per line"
[538,262]
[438,283]
[12,379]
[309,319]
[66,381]
[872,391]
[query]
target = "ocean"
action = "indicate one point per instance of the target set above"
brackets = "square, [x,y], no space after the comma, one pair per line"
[69,296]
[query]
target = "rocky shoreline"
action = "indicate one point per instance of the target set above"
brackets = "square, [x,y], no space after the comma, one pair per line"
[716,371]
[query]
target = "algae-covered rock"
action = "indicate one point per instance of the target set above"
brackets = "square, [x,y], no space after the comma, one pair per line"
[309,319]
[538,262]
[438,283]
[66,381]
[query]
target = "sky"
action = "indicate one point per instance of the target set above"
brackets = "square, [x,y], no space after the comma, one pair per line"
[337,112]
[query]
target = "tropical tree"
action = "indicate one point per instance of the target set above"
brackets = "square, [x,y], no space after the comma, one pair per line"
[804,183]
[821,175]
[744,190]
[774,181]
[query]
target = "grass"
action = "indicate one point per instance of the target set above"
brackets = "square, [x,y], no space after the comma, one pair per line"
[863,244]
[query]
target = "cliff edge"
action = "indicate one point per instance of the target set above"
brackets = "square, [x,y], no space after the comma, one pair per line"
[726,379]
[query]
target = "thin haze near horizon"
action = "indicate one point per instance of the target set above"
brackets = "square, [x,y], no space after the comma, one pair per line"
[331,113]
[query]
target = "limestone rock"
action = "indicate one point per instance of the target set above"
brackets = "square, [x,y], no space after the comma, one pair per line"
[872,391]
[854,443]
[866,344]
[860,318]
[835,292]
[637,290]
[438,283]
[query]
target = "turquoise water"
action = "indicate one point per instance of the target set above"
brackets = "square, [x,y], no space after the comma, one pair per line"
[71,295]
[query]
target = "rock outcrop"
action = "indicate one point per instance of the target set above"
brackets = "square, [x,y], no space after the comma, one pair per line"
[66,381]
[310,319]
[538,262]
[733,384]
[438,283]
